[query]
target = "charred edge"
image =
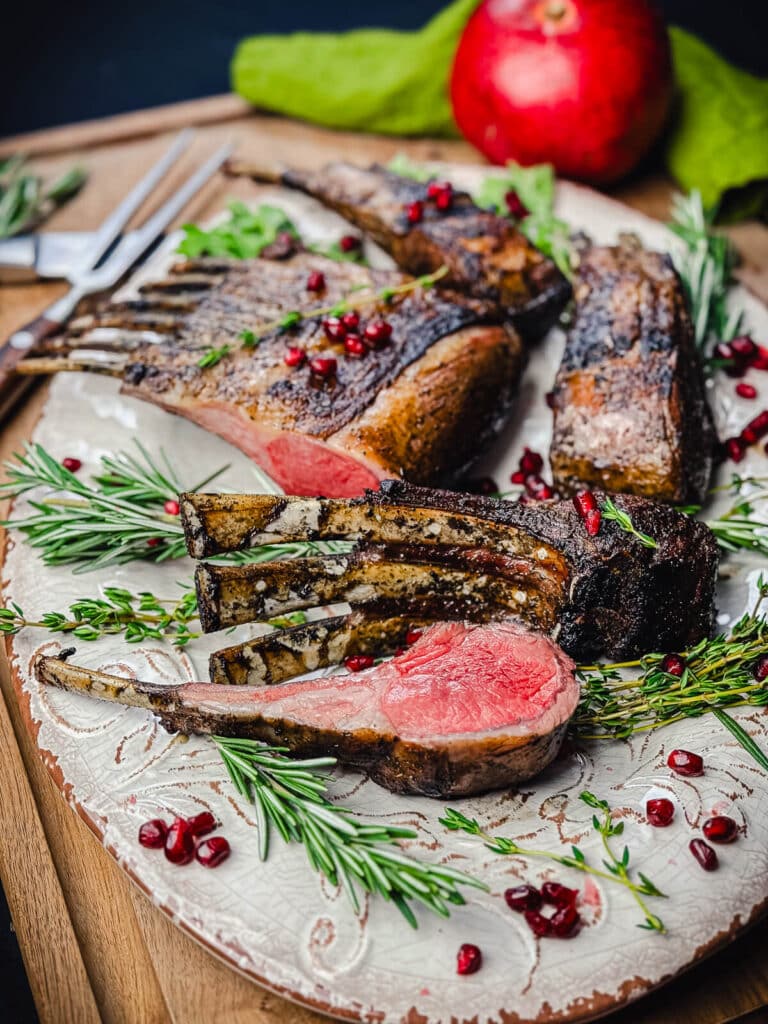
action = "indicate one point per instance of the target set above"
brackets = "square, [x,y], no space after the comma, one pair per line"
[208,598]
[183,283]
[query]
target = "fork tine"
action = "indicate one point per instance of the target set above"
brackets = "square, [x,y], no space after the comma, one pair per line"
[116,221]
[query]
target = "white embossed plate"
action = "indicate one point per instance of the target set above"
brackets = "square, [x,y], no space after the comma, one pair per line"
[278,922]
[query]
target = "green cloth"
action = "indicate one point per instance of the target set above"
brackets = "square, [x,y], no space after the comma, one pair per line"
[395,83]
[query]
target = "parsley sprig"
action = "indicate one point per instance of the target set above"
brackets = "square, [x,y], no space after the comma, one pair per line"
[615,869]
[290,797]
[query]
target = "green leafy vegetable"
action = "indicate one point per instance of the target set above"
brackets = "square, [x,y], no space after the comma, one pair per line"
[290,796]
[719,140]
[244,234]
[373,80]
[535,187]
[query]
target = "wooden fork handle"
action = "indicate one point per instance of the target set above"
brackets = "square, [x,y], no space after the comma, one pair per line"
[13,387]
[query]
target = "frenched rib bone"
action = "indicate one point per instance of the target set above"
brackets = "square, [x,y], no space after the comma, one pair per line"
[442,555]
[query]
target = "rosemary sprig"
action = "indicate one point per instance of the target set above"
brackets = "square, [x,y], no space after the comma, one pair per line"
[616,868]
[718,674]
[119,517]
[738,528]
[290,796]
[624,522]
[24,202]
[706,270]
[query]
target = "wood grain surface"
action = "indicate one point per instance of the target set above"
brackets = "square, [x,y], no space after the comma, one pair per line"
[94,946]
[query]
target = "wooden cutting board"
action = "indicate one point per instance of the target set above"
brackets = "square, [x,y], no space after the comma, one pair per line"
[93,945]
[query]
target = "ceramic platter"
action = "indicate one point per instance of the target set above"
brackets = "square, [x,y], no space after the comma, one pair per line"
[277,922]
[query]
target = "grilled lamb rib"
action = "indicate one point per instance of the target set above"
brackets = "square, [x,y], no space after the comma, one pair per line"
[436,554]
[422,406]
[630,407]
[417,724]
[487,256]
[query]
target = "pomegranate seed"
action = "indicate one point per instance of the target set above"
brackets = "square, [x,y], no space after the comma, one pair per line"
[445,200]
[734,447]
[743,346]
[549,398]
[351,320]
[481,485]
[518,477]
[660,812]
[212,852]
[523,897]
[755,430]
[201,824]
[415,212]
[533,484]
[316,281]
[179,842]
[558,895]
[436,188]
[674,664]
[538,924]
[355,346]
[154,541]
[760,360]
[377,333]
[349,243]
[469,959]
[723,351]
[685,763]
[294,356]
[744,390]
[584,502]
[515,205]
[334,328]
[565,922]
[323,366]
[760,669]
[413,635]
[358,662]
[704,854]
[152,834]
[531,462]
[720,829]
[71,464]
[592,522]
[171,507]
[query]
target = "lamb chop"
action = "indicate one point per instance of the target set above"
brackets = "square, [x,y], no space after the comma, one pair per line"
[320,414]
[417,724]
[430,555]
[487,256]
[630,407]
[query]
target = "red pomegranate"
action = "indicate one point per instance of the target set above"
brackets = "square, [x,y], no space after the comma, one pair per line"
[581,84]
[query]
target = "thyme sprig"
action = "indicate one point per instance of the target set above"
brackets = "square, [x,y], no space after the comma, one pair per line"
[738,528]
[718,675]
[624,522]
[136,616]
[290,796]
[362,295]
[706,270]
[615,869]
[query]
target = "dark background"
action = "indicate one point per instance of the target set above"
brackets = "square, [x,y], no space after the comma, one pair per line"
[71,61]
[66,62]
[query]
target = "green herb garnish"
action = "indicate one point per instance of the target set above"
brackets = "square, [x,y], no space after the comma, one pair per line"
[24,200]
[624,522]
[213,356]
[616,868]
[289,796]
[243,235]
